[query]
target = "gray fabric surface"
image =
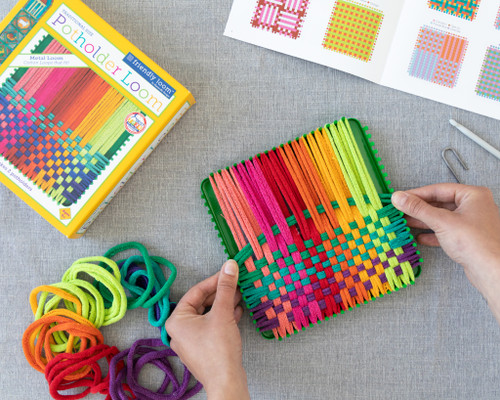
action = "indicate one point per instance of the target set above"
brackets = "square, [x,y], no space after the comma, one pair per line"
[435,340]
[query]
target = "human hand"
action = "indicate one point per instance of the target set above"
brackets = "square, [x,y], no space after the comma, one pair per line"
[210,344]
[466,223]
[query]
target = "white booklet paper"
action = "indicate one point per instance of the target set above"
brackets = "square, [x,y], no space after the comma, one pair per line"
[445,50]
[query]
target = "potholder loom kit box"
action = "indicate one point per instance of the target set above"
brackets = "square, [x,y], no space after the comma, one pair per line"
[80,109]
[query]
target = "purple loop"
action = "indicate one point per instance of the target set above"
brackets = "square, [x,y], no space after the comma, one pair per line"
[142,352]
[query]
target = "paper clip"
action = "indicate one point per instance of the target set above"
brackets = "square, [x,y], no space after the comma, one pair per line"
[458,156]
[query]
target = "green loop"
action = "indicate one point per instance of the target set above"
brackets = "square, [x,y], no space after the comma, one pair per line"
[111,281]
[143,277]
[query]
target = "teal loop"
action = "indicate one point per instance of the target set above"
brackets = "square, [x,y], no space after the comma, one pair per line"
[144,279]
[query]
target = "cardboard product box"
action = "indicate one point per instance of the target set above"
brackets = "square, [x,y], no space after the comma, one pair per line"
[81,108]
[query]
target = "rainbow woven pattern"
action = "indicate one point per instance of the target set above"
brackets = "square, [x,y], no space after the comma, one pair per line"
[61,127]
[438,56]
[353,30]
[280,16]
[314,237]
[21,25]
[466,9]
[497,20]
[488,84]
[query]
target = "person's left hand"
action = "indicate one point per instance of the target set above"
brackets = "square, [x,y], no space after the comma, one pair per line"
[210,344]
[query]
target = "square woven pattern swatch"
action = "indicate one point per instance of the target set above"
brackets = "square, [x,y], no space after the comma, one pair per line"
[353,30]
[314,237]
[497,20]
[438,56]
[61,127]
[281,16]
[488,84]
[466,9]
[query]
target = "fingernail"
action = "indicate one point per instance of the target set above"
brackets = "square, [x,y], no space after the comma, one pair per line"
[230,268]
[399,198]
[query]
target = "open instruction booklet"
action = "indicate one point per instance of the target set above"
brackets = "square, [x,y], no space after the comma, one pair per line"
[445,50]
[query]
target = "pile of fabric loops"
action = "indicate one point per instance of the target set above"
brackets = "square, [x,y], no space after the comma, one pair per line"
[66,344]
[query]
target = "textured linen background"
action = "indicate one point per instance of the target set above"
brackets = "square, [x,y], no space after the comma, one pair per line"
[435,340]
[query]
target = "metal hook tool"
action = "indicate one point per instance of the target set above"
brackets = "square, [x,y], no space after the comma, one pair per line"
[459,158]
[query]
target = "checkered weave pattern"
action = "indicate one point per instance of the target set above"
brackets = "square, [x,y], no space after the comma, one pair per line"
[488,84]
[438,56]
[61,127]
[284,17]
[353,30]
[497,20]
[466,9]
[315,238]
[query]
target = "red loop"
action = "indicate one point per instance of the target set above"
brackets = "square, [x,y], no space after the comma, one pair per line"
[59,372]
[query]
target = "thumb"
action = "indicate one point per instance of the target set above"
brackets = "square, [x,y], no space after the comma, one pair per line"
[419,209]
[226,288]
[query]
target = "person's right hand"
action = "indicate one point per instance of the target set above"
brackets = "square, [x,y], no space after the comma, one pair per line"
[466,223]
[209,344]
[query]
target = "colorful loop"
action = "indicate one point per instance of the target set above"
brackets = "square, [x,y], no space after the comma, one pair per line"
[41,343]
[65,343]
[61,370]
[147,285]
[142,352]
[78,296]
[110,280]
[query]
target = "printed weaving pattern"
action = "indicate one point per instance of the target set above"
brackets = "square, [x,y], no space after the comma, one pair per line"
[314,237]
[466,9]
[353,30]
[21,25]
[488,84]
[281,16]
[60,127]
[438,57]
[497,20]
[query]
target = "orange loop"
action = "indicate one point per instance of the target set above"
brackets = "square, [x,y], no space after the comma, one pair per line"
[39,339]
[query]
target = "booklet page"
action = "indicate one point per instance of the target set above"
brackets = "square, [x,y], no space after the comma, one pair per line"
[448,51]
[352,36]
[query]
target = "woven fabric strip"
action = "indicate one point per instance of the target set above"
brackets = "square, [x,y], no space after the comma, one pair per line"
[284,17]
[353,29]
[314,237]
[466,9]
[438,56]
[488,84]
